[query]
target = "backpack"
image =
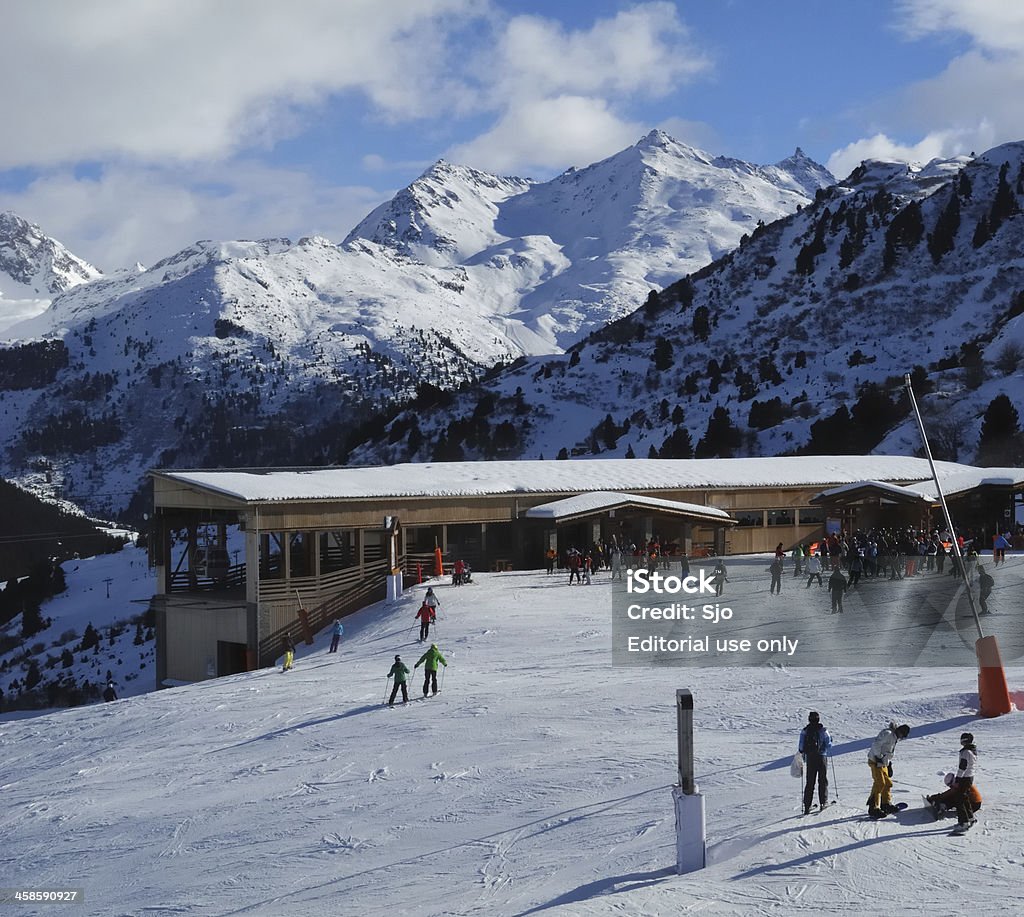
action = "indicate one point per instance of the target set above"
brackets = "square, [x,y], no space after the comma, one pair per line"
[814,740]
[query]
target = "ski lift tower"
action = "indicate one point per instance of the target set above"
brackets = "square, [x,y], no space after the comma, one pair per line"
[691,824]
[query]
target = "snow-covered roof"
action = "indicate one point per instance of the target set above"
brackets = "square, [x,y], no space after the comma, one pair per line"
[456,479]
[603,500]
[902,493]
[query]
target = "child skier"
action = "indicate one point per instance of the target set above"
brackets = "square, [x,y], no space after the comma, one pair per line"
[336,635]
[289,652]
[426,617]
[399,671]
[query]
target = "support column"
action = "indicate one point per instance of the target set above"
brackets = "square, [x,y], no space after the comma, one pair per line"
[691,824]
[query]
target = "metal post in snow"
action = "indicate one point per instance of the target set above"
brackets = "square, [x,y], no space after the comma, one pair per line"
[942,501]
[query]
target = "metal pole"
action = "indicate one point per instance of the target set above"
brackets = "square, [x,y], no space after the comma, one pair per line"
[684,732]
[945,508]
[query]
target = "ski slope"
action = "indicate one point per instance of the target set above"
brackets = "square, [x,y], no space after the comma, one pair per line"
[537,782]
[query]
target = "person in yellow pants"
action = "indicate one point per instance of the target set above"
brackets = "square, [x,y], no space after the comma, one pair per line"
[289,652]
[880,762]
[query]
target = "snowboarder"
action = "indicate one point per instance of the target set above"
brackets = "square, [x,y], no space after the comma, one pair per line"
[339,629]
[399,671]
[429,661]
[815,743]
[880,762]
[836,588]
[948,799]
[289,652]
[963,780]
[426,617]
[985,584]
[109,693]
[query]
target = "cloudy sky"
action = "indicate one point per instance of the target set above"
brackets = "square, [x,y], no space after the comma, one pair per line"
[133,127]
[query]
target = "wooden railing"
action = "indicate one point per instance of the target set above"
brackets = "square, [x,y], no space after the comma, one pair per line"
[334,595]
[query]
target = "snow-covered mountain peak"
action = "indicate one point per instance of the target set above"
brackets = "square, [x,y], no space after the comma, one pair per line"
[33,268]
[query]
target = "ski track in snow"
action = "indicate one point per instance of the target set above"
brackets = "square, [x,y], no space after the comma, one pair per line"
[537,782]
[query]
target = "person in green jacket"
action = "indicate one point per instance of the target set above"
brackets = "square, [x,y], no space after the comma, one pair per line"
[399,671]
[429,661]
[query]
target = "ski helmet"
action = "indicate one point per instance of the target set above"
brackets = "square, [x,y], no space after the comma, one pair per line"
[903,731]
[967,738]
[433,646]
[398,658]
[949,778]
[813,717]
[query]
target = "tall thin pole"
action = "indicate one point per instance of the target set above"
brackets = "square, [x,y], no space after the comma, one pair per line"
[945,506]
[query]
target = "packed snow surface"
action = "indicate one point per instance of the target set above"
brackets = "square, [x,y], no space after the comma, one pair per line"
[537,782]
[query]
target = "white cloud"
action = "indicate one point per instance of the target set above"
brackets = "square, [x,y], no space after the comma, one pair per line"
[973,104]
[561,94]
[937,145]
[189,79]
[132,213]
[548,134]
[644,49]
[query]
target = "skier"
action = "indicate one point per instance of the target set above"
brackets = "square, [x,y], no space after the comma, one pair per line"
[336,635]
[426,617]
[813,570]
[814,745]
[457,572]
[776,571]
[289,652]
[399,671]
[985,584]
[431,600]
[880,762]
[836,588]
[963,780]
[429,661]
[109,693]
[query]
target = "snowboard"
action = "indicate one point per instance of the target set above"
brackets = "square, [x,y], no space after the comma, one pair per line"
[938,810]
[900,806]
[961,829]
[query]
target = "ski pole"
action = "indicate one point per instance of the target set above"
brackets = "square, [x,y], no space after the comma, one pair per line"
[835,783]
[443,672]
[386,690]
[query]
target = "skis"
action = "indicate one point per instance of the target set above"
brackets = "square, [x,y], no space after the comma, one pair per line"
[816,810]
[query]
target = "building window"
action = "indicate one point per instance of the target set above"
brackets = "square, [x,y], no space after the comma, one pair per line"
[750,517]
[780,517]
[811,515]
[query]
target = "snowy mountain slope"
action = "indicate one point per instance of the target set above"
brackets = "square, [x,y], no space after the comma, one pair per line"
[193,360]
[815,318]
[33,269]
[537,782]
